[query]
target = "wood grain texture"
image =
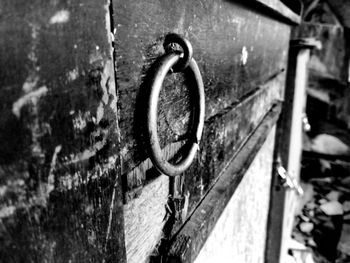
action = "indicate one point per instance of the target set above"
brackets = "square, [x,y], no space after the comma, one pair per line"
[229,41]
[198,180]
[234,238]
[287,10]
[144,220]
[224,135]
[60,197]
[241,53]
[190,239]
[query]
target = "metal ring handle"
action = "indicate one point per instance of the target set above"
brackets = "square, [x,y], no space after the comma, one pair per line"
[156,155]
[186,47]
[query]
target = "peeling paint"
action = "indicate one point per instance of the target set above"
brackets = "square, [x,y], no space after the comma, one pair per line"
[29,97]
[60,17]
[51,177]
[108,89]
[100,112]
[244,56]
[105,78]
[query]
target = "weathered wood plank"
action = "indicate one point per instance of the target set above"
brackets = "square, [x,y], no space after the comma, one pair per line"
[229,41]
[224,134]
[60,197]
[198,180]
[287,10]
[145,219]
[241,52]
[239,235]
[191,237]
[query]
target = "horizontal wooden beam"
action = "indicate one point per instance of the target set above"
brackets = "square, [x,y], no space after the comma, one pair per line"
[277,9]
[188,241]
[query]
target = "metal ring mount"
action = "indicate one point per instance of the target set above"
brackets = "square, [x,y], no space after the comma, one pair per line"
[186,47]
[165,64]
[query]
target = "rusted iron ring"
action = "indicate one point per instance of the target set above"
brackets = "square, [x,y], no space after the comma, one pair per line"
[155,152]
[187,50]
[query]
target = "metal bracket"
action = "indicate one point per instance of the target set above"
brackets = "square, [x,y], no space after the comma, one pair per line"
[288,180]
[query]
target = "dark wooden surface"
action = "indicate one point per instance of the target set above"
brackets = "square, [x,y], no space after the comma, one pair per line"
[60,197]
[229,41]
[224,135]
[192,236]
[193,185]
[241,50]
[287,10]
[67,142]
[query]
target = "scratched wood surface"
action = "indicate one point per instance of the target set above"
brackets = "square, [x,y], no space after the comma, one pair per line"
[241,53]
[233,238]
[222,143]
[60,197]
[237,49]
